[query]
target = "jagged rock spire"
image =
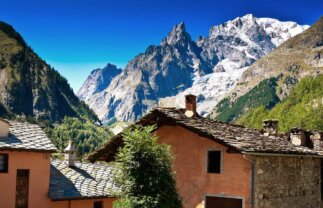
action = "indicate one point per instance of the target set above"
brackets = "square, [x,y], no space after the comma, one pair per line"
[178,34]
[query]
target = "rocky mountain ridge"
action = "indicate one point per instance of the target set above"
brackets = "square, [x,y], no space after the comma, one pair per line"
[98,80]
[209,67]
[236,44]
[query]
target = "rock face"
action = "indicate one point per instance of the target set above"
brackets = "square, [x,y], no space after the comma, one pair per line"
[97,81]
[208,68]
[161,71]
[30,87]
[236,44]
[296,58]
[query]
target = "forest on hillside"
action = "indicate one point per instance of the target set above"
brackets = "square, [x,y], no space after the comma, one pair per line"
[302,108]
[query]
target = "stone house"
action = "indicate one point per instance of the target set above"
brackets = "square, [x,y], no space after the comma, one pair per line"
[29,178]
[223,165]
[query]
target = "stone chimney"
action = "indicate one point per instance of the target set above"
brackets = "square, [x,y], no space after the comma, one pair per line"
[298,136]
[317,140]
[70,154]
[4,128]
[270,127]
[190,105]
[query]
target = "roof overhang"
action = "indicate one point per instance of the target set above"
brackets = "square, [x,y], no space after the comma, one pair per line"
[108,152]
[27,150]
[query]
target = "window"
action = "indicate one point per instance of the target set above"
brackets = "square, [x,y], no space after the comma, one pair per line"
[22,185]
[214,162]
[98,204]
[3,163]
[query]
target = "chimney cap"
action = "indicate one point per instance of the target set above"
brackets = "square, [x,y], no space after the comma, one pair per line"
[190,105]
[70,147]
[190,96]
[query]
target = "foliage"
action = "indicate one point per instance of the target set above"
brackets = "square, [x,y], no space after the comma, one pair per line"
[144,172]
[10,32]
[302,108]
[263,94]
[34,88]
[86,135]
[37,93]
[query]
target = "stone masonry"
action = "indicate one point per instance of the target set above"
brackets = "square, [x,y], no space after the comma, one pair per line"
[286,182]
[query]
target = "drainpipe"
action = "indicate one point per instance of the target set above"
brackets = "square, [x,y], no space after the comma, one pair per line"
[252,176]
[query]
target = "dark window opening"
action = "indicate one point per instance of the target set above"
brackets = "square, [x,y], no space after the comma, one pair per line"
[321,179]
[22,185]
[221,202]
[98,204]
[214,162]
[3,163]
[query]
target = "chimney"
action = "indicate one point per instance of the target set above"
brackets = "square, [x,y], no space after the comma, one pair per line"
[298,137]
[70,153]
[190,105]
[270,127]
[4,128]
[317,139]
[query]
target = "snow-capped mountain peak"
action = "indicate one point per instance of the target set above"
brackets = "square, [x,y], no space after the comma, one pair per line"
[279,31]
[208,68]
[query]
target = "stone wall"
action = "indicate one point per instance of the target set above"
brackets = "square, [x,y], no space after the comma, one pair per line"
[286,182]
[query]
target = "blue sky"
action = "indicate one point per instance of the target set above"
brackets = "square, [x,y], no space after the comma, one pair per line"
[76,36]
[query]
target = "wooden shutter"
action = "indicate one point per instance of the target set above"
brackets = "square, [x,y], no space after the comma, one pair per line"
[22,188]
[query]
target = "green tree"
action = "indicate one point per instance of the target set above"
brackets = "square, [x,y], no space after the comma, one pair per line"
[144,172]
[86,135]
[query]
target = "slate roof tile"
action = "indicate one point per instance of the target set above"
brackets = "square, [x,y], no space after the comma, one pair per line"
[26,136]
[85,180]
[236,137]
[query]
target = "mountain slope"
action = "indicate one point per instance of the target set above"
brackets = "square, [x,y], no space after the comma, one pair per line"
[97,81]
[30,87]
[302,108]
[290,62]
[209,68]
[264,94]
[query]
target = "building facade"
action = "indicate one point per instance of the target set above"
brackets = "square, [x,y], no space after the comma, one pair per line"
[222,165]
[29,178]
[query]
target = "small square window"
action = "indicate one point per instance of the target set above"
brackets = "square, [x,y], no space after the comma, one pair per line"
[214,162]
[3,163]
[98,204]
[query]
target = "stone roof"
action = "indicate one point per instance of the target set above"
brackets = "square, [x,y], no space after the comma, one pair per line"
[236,137]
[85,180]
[26,136]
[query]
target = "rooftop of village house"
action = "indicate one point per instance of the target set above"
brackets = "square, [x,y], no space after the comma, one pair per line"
[24,136]
[236,137]
[68,179]
[83,180]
